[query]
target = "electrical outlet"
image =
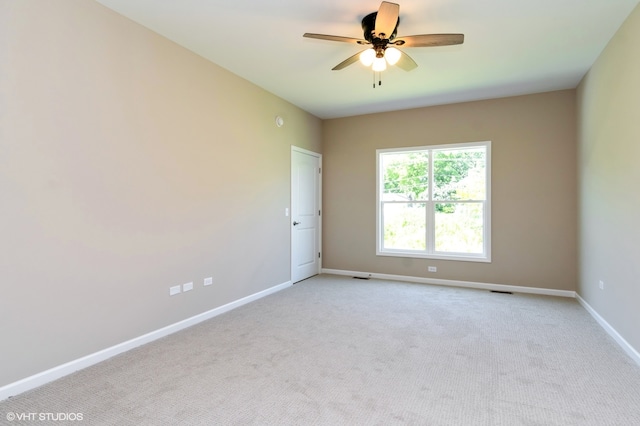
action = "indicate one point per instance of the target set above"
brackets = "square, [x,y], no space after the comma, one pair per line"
[208,281]
[174,290]
[187,286]
[601,285]
[433,269]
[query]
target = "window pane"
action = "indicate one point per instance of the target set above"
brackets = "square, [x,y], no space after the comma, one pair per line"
[405,176]
[459,174]
[404,226]
[458,227]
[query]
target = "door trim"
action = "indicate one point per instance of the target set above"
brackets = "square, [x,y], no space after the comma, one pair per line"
[319,229]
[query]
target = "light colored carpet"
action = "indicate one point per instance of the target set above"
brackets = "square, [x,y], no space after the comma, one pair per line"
[335,350]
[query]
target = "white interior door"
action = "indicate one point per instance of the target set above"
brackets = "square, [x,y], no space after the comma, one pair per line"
[305,214]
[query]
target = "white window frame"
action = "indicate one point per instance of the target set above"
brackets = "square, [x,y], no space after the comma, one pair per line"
[430,252]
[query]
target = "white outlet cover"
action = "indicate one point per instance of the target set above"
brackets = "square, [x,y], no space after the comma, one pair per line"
[433,269]
[174,290]
[187,286]
[208,281]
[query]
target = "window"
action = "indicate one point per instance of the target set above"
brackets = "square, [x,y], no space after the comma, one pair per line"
[434,202]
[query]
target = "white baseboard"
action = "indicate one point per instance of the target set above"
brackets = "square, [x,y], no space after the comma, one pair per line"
[454,283]
[55,373]
[630,350]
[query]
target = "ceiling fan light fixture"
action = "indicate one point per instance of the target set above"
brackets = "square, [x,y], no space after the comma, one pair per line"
[392,55]
[379,64]
[379,31]
[367,57]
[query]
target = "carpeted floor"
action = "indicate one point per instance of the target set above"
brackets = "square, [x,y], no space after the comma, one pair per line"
[339,351]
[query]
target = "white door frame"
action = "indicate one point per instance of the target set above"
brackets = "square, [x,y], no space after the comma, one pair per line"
[319,200]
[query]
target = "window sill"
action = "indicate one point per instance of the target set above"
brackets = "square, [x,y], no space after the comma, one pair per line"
[455,257]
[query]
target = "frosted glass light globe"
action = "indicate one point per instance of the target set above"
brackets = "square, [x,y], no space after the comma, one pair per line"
[379,64]
[392,55]
[367,57]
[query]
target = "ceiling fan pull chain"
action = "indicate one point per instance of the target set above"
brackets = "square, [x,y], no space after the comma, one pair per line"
[374,79]
[380,78]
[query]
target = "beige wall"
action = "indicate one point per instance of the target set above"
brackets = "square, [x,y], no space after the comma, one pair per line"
[128,165]
[533,187]
[609,149]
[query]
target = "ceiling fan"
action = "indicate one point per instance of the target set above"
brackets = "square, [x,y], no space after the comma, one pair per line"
[380,29]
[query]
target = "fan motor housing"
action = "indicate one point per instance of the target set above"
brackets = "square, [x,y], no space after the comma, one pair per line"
[369,27]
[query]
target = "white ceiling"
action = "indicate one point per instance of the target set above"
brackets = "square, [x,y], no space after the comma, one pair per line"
[511,47]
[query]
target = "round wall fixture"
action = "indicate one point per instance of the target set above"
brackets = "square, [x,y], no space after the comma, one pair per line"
[279,121]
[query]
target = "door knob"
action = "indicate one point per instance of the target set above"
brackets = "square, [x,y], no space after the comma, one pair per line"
[296,223]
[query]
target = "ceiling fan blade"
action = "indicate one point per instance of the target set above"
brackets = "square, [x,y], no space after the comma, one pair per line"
[336,38]
[387,19]
[350,60]
[429,40]
[406,62]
